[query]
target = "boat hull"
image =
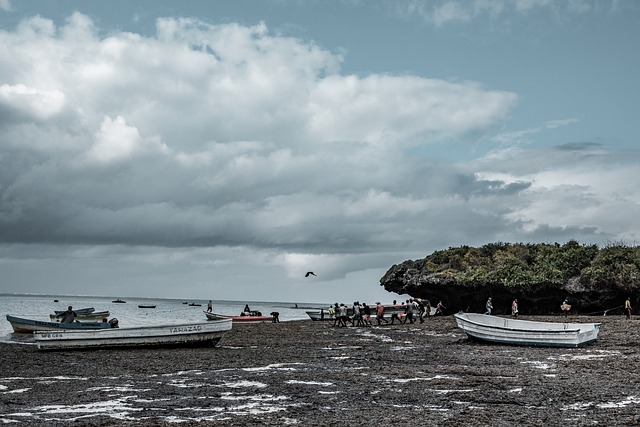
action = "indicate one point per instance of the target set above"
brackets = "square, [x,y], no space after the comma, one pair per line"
[80,311]
[96,315]
[27,326]
[239,319]
[499,330]
[181,335]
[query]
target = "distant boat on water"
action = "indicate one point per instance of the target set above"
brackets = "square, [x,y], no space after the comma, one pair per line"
[193,304]
[146,306]
[119,301]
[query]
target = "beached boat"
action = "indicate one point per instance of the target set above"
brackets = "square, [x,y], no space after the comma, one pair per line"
[28,326]
[179,335]
[501,330]
[251,317]
[96,315]
[80,311]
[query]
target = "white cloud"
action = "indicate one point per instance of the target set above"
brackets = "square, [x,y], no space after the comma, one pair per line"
[239,150]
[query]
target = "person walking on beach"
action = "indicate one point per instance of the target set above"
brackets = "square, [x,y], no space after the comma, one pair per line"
[342,316]
[380,314]
[68,316]
[356,320]
[336,315]
[514,308]
[366,314]
[420,309]
[489,306]
[209,307]
[408,313]
[427,307]
[627,307]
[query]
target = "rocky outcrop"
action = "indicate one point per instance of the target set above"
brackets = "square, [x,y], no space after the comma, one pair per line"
[414,278]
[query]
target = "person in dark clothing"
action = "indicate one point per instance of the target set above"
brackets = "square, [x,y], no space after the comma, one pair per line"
[68,316]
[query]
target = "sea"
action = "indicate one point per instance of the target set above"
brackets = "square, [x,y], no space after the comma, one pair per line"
[167,311]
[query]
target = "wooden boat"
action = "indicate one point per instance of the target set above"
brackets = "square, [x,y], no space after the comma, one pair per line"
[80,311]
[146,306]
[251,317]
[21,325]
[179,335]
[501,330]
[389,309]
[119,301]
[96,315]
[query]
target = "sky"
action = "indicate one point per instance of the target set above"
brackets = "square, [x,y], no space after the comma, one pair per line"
[220,150]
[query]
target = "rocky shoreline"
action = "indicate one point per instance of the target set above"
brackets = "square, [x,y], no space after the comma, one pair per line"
[313,374]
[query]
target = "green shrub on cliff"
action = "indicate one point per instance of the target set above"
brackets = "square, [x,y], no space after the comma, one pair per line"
[523,265]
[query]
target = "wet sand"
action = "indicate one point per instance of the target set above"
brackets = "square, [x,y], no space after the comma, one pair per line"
[312,374]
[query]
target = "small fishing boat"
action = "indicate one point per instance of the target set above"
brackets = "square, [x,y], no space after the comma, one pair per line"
[119,301]
[22,326]
[80,311]
[249,317]
[96,315]
[146,306]
[195,304]
[501,330]
[178,335]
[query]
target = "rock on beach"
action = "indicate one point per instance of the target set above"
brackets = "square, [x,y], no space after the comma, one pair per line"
[313,374]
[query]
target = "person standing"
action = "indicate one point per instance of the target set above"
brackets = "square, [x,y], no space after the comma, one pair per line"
[209,306]
[565,307]
[627,307]
[68,316]
[489,306]
[514,308]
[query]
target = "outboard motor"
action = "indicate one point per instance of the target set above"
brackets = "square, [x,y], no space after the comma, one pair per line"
[113,322]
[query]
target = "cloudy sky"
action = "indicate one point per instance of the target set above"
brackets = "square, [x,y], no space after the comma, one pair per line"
[219,150]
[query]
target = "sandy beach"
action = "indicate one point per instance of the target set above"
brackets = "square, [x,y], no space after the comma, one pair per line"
[312,374]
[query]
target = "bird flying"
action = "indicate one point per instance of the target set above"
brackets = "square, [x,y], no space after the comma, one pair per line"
[309,273]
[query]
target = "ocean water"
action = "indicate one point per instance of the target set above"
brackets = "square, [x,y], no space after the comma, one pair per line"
[167,311]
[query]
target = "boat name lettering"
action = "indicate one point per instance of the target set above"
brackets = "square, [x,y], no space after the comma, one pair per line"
[180,329]
[51,335]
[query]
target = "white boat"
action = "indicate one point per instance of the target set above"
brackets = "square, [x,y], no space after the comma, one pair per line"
[179,335]
[251,317]
[26,326]
[501,330]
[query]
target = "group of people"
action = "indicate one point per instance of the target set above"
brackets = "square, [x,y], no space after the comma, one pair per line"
[514,307]
[565,307]
[360,313]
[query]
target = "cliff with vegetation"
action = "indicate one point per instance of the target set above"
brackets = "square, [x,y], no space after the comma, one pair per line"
[541,276]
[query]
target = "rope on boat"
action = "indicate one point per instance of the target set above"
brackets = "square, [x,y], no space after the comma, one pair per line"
[604,311]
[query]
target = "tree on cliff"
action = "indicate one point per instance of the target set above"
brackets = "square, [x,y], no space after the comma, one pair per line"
[540,275]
